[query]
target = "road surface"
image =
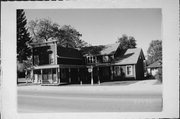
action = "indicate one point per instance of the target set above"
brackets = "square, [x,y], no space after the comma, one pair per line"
[131,98]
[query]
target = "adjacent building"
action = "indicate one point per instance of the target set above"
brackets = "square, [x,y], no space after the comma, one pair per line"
[54,64]
[154,68]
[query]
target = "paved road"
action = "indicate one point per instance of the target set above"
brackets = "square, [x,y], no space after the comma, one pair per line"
[135,98]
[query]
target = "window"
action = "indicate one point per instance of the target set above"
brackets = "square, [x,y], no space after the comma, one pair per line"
[129,70]
[105,58]
[117,71]
[91,59]
[51,59]
[36,60]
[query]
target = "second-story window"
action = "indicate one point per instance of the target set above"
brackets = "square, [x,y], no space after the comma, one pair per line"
[51,59]
[91,59]
[105,58]
[36,60]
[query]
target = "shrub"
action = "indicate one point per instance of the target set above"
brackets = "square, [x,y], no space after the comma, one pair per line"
[158,75]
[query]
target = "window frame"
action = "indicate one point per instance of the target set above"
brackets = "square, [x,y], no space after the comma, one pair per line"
[131,70]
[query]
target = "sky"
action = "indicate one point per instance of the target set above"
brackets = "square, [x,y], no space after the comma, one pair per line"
[105,26]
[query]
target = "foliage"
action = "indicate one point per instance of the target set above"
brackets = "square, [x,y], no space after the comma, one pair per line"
[69,37]
[43,30]
[127,42]
[23,50]
[154,52]
[93,50]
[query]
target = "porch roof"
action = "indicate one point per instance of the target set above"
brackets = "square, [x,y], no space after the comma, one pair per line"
[46,67]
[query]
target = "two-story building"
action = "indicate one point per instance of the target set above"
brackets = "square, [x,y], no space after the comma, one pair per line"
[54,64]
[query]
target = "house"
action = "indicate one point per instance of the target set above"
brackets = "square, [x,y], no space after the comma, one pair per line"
[109,62]
[154,67]
[54,64]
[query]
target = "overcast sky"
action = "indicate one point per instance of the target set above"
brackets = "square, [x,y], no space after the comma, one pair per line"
[105,26]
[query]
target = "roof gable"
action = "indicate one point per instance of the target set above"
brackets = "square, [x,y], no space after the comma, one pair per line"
[100,50]
[109,49]
[131,56]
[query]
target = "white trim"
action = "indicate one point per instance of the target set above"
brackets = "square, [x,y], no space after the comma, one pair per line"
[135,71]
[46,66]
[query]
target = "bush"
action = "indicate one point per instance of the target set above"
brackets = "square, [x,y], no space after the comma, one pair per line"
[158,75]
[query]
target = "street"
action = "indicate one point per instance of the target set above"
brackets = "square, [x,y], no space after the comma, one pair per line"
[86,98]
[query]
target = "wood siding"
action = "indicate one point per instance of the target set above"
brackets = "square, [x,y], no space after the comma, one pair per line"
[140,69]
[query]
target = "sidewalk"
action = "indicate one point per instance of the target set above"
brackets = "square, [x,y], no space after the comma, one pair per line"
[140,86]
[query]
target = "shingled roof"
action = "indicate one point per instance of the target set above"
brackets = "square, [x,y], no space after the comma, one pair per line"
[100,50]
[109,49]
[156,64]
[130,57]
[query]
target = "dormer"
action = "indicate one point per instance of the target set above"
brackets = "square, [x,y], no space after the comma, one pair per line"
[100,54]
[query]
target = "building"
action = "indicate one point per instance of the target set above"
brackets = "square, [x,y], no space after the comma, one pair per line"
[53,64]
[154,67]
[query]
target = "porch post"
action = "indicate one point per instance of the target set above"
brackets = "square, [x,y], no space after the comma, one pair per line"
[79,77]
[32,76]
[98,76]
[55,53]
[58,79]
[92,76]
[112,72]
[69,75]
[41,76]
[52,75]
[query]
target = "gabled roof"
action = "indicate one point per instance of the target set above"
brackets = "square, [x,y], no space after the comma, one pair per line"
[156,64]
[100,50]
[109,49]
[130,57]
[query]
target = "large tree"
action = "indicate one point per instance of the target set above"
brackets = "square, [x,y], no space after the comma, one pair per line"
[70,37]
[127,42]
[44,29]
[23,50]
[154,52]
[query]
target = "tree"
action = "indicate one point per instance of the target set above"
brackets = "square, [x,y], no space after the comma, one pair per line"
[23,50]
[127,42]
[44,29]
[70,37]
[154,52]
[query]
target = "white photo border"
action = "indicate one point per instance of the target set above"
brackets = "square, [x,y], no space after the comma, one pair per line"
[170,35]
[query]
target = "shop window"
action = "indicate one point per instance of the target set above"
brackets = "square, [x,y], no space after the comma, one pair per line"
[129,70]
